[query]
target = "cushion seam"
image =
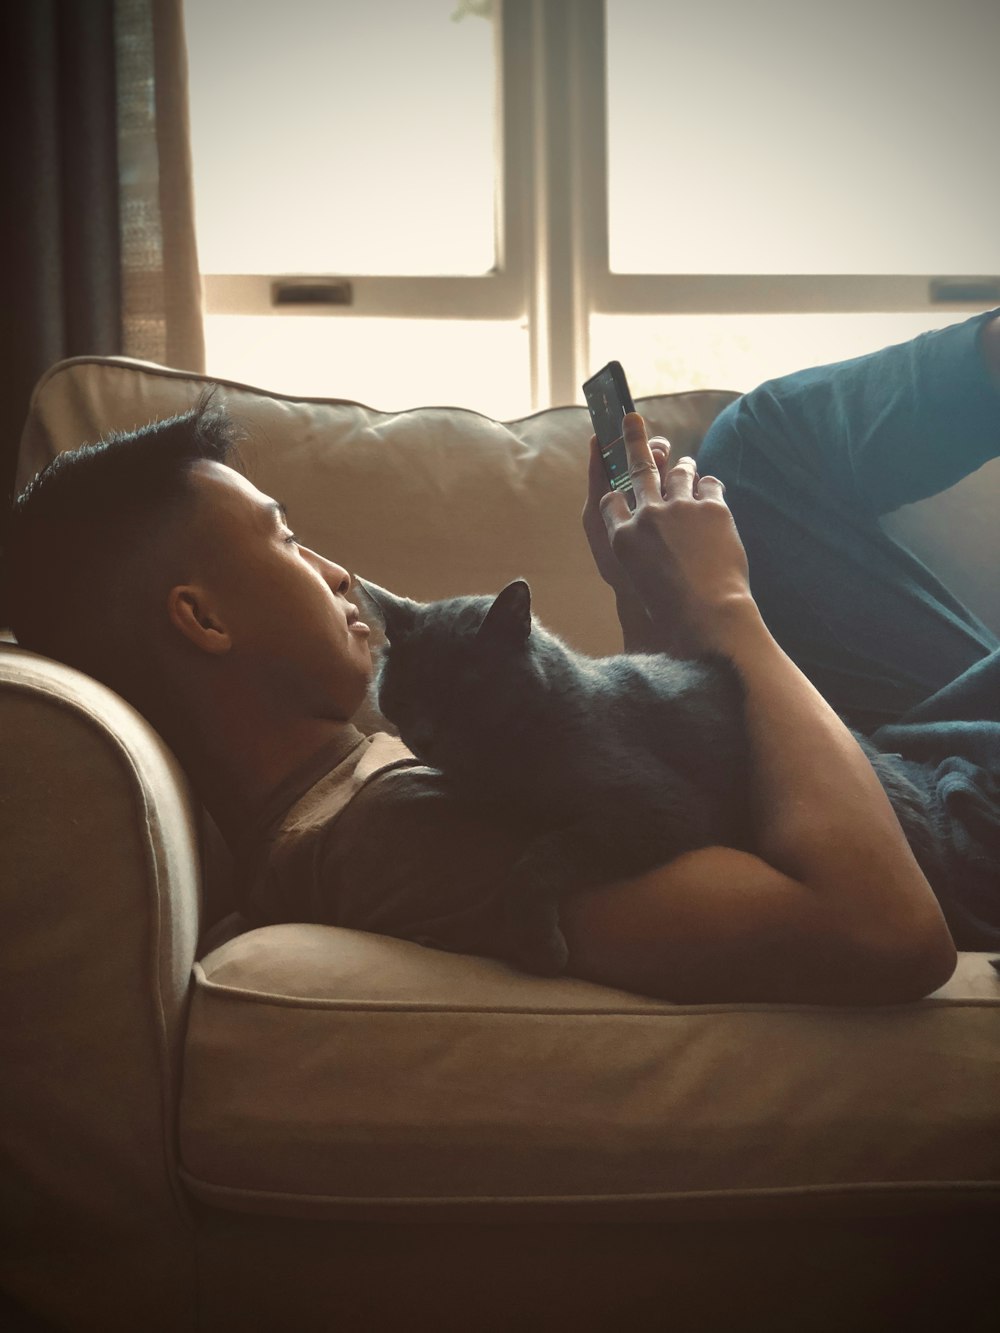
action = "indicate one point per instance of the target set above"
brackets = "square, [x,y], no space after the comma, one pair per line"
[223,991]
[847,1188]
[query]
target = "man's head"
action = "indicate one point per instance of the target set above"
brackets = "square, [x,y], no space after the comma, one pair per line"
[151,562]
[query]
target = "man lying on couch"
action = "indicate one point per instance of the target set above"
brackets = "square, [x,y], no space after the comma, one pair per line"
[152,563]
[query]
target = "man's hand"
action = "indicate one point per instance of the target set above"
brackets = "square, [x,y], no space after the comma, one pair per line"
[608,565]
[678,550]
[636,625]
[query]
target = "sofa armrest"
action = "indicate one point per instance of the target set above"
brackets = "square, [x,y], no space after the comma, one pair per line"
[99,916]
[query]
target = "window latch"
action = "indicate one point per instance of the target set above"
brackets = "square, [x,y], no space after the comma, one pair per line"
[312,291]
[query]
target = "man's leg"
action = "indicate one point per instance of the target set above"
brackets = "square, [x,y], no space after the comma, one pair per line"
[810,461]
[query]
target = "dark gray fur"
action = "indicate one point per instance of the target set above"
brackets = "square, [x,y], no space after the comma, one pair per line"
[614,764]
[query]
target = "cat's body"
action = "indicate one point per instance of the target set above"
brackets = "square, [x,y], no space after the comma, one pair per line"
[617,764]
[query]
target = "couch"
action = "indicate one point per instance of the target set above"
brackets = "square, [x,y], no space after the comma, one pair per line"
[304,1127]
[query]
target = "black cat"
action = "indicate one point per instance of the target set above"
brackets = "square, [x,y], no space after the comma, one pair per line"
[617,764]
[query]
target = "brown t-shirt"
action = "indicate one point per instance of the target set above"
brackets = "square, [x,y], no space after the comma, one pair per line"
[366,836]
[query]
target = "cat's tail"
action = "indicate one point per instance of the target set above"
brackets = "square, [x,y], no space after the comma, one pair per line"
[913,808]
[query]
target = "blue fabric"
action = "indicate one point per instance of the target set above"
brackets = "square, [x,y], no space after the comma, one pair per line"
[810,462]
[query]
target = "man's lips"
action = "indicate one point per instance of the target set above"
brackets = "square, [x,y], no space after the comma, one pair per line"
[355,623]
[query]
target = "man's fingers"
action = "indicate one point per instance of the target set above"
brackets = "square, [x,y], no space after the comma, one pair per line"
[680,481]
[615,511]
[642,469]
[661,452]
[711,488]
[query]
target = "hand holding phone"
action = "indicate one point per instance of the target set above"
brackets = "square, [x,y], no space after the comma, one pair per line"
[608,399]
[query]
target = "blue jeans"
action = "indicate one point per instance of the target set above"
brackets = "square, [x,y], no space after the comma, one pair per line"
[810,461]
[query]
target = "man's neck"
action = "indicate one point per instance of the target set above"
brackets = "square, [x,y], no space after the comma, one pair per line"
[235,768]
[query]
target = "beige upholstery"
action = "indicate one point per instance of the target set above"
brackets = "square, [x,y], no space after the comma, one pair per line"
[99,911]
[431,503]
[568,1090]
[309,1120]
[443,501]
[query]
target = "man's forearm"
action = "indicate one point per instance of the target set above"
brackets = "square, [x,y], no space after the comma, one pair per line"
[820,813]
[638,635]
[832,872]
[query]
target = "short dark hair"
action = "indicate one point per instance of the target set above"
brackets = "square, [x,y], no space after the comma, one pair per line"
[73,528]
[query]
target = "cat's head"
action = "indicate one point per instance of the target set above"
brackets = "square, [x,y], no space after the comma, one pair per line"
[448,675]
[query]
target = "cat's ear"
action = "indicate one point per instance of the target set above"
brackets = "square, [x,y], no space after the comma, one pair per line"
[508,621]
[394,613]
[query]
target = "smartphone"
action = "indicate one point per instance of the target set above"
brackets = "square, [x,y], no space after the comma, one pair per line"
[608,399]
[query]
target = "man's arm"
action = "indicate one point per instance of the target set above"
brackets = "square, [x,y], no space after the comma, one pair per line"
[833,908]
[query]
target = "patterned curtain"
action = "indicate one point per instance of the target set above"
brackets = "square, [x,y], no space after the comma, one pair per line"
[160,284]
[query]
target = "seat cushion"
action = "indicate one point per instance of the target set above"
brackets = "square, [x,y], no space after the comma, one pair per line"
[329,1072]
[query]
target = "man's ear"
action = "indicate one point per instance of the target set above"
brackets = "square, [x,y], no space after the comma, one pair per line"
[190,612]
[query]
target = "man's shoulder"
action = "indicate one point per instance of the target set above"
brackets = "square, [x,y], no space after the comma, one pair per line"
[425,796]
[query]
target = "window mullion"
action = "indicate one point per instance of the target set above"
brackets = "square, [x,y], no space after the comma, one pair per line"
[588,192]
[554,178]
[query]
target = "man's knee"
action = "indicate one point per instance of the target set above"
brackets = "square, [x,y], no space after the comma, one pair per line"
[989,341]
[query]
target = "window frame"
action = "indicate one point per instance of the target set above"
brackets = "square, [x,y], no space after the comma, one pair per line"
[552,266]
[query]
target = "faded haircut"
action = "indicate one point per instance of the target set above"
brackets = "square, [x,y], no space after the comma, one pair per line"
[76,535]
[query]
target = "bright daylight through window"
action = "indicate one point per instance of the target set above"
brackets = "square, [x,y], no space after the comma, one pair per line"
[743,189]
[351,139]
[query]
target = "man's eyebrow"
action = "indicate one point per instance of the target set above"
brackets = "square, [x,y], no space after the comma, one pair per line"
[277,510]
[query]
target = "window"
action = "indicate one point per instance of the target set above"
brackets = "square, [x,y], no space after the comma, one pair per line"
[788,179]
[354,142]
[494,199]
[358,136]
[786,137]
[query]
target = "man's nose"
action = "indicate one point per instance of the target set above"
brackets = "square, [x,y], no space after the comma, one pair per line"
[339,579]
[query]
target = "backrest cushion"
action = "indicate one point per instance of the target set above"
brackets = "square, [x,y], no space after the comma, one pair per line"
[430,503]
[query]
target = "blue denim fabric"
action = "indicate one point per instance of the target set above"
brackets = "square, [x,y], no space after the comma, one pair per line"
[810,462]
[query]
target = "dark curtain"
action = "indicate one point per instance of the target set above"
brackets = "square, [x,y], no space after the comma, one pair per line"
[59,229]
[96,223]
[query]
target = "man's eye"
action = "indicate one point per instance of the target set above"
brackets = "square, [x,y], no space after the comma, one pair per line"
[291,537]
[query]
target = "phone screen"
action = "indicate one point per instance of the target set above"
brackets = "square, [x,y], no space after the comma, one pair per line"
[608,398]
